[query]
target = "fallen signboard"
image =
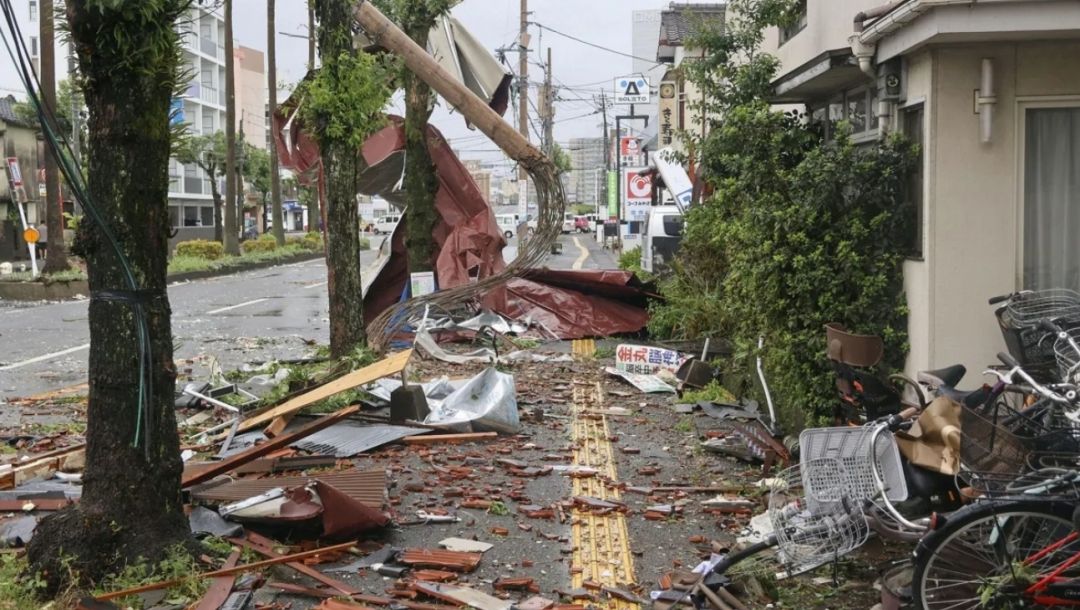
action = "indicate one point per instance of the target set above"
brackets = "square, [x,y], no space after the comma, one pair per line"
[650,384]
[646,359]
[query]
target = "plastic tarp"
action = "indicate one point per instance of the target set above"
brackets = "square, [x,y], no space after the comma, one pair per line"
[486,402]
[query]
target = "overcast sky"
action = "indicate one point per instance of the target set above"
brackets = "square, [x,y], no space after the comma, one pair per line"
[585,70]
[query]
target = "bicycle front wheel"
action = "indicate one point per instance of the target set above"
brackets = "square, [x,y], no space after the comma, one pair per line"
[994,555]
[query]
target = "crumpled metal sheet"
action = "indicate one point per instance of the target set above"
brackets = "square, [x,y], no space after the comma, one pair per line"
[348,438]
[367,486]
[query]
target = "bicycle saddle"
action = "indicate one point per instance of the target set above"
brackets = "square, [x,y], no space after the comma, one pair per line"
[968,398]
[945,376]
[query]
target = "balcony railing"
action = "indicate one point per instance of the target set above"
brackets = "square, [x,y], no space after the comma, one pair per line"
[211,48]
[209,94]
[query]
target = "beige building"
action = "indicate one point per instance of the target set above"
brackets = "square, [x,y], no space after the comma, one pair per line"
[18,139]
[678,98]
[481,176]
[250,70]
[991,91]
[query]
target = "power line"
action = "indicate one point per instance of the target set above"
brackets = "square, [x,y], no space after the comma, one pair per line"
[597,46]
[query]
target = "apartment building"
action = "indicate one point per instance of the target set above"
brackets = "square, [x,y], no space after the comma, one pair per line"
[991,92]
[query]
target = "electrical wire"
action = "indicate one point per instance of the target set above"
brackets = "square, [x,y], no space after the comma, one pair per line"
[61,149]
[596,46]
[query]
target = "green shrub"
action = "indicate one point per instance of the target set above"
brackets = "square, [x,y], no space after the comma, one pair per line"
[201,248]
[259,245]
[630,260]
[267,237]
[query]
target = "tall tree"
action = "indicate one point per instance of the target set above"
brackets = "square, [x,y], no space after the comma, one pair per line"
[54,200]
[208,154]
[277,218]
[131,505]
[343,105]
[232,244]
[260,176]
[416,18]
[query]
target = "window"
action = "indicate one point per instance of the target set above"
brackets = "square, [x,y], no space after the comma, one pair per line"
[191,216]
[858,107]
[33,46]
[207,214]
[913,118]
[1051,198]
[788,32]
[33,10]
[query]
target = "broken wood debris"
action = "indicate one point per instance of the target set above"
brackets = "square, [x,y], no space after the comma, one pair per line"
[464,437]
[450,560]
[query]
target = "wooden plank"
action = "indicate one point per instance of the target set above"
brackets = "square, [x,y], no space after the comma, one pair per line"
[258,451]
[221,588]
[249,567]
[435,439]
[263,546]
[386,367]
[69,458]
[7,506]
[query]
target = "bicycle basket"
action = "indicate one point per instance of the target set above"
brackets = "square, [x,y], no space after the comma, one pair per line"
[851,445]
[1068,360]
[814,518]
[1019,327]
[1002,441]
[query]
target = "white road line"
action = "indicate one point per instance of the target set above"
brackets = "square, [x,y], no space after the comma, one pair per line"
[70,350]
[315,285]
[580,262]
[237,306]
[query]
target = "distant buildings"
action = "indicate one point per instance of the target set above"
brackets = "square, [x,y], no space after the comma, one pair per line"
[587,170]
[481,176]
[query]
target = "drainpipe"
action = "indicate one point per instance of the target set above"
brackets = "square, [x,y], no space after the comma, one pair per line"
[864,53]
[986,100]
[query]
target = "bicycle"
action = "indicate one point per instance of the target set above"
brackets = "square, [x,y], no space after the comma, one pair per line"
[1017,545]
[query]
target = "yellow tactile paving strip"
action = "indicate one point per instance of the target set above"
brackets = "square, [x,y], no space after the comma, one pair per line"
[601,542]
[583,347]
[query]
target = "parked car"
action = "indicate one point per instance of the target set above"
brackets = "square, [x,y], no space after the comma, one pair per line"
[661,237]
[386,224]
[582,224]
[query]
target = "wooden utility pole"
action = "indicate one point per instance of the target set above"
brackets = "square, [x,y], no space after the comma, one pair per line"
[523,106]
[277,218]
[549,108]
[311,35]
[54,200]
[232,244]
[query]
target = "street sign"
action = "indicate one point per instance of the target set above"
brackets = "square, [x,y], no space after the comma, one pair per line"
[631,90]
[31,235]
[637,194]
[14,173]
[630,152]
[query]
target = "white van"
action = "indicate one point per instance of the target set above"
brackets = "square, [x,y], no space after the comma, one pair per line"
[507,224]
[569,225]
[660,238]
[386,224]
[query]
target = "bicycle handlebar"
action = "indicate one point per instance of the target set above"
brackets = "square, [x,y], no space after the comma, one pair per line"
[1000,298]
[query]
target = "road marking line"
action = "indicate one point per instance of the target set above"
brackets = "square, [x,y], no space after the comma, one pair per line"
[42,358]
[316,285]
[580,262]
[237,306]
[586,348]
[601,542]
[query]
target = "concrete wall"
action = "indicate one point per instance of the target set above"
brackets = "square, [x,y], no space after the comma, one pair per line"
[974,202]
[829,23]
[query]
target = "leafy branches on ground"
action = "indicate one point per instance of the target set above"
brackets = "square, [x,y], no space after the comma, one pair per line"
[799,231]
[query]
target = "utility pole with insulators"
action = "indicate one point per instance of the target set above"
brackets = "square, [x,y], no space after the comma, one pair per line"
[548,108]
[523,106]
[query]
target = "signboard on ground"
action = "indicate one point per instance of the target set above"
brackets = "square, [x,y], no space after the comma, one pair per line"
[646,359]
[632,90]
[637,194]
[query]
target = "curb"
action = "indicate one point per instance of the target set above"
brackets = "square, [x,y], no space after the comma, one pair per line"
[66,291]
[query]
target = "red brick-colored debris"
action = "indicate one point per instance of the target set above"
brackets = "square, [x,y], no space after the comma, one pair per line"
[536,603]
[450,560]
[476,503]
[434,575]
[500,531]
[516,584]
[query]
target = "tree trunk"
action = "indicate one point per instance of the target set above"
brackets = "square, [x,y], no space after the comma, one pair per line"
[56,259]
[131,504]
[232,245]
[421,181]
[277,218]
[341,172]
[216,192]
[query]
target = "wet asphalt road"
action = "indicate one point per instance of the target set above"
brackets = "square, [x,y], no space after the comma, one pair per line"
[254,316]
